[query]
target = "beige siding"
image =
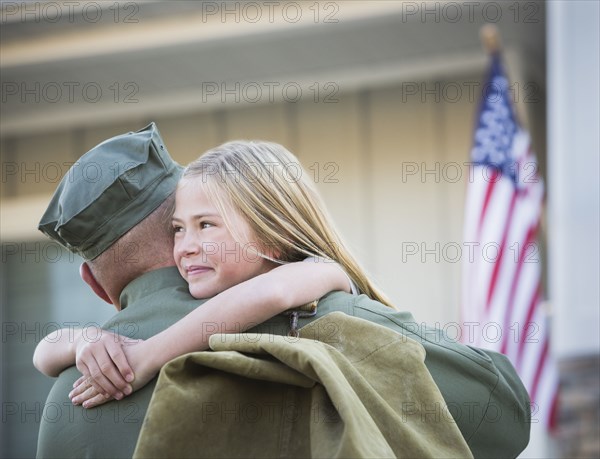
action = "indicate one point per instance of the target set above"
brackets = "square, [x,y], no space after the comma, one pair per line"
[266,122]
[406,208]
[40,162]
[330,150]
[188,136]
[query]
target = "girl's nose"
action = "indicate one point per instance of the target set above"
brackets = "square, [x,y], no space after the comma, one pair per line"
[187,245]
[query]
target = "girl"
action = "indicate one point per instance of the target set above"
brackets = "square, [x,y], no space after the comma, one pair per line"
[242,209]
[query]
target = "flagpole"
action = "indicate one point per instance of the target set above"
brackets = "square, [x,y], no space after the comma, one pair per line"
[490,38]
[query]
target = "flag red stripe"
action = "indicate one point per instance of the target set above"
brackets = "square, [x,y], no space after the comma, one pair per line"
[523,333]
[538,371]
[498,263]
[488,193]
[515,282]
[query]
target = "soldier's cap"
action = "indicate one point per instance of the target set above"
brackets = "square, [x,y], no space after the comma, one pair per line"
[109,190]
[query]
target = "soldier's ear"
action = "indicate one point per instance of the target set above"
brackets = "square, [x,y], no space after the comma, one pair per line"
[86,274]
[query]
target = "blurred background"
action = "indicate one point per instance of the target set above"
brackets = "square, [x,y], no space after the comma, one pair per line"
[377,99]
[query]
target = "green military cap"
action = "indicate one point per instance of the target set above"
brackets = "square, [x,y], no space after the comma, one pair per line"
[109,190]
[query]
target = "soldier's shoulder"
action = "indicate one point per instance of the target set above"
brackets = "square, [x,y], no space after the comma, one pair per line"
[364,307]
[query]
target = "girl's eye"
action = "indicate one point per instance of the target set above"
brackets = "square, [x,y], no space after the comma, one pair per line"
[204,225]
[177,229]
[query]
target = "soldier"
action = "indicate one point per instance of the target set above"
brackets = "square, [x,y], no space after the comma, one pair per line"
[471,381]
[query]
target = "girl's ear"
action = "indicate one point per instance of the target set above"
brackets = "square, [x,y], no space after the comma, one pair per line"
[272,252]
[86,274]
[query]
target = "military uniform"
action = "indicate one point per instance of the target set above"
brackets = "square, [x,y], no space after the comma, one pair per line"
[481,389]
[323,394]
[151,303]
[136,174]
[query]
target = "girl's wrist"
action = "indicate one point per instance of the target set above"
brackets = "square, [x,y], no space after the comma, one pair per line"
[157,354]
[75,342]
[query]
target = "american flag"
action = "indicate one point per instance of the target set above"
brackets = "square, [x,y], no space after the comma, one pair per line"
[501,305]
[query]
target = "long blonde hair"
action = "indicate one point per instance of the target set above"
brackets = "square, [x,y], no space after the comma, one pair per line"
[267,186]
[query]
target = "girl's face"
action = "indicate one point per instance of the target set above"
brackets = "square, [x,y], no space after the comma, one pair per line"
[206,254]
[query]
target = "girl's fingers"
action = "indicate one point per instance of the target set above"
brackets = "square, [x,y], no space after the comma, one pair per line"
[86,394]
[79,381]
[100,381]
[124,374]
[83,386]
[98,399]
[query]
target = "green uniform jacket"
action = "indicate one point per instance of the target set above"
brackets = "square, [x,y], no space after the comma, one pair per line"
[363,391]
[481,389]
[150,304]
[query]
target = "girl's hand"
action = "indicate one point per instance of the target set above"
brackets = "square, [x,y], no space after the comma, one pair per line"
[138,353]
[100,358]
[142,357]
[84,393]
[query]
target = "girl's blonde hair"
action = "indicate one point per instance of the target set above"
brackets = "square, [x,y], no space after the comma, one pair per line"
[268,187]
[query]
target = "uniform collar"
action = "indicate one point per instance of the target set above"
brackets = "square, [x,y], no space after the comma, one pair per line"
[151,282]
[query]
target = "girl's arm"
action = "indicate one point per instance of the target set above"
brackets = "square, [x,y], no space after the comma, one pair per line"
[58,350]
[245,305]
[235,310]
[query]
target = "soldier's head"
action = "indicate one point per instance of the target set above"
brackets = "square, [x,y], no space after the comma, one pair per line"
[113,208]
